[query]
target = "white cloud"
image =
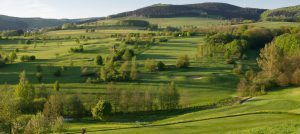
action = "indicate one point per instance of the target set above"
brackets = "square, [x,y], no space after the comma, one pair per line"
[26,8]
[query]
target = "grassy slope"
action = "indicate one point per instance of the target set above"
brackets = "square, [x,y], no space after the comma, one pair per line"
[216,82]
[276,108]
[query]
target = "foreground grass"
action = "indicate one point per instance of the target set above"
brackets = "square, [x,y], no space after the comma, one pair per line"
[277,108]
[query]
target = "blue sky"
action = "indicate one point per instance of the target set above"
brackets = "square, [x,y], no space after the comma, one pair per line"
[100,8]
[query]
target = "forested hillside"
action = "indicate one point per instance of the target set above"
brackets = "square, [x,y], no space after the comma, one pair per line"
[218,10]
[15,23]
[290,14]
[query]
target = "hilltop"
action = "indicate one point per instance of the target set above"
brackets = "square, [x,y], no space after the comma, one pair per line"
[15,23]
[215,10]
[290,14]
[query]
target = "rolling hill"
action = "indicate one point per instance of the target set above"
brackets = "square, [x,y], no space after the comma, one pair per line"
[290,14]
[218,10]
[15,23]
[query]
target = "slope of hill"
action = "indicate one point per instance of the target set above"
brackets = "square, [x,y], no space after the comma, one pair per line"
[291,14]
[14,23]
[220,10]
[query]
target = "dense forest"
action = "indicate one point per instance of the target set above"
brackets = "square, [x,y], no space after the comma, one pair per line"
[290,14]
[216,10]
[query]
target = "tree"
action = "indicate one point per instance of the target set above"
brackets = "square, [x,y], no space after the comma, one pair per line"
[56,86]
[160,66]
[73,107]
[124,71]
[269,60]
[9,111]
[128,54]
[12,57]
[39,76]
[99,60]
[37,125]
[183,61]
[102,110]
[134,70]
[150,65]
[24,91]
[283,80]
[174,96]
[53,107]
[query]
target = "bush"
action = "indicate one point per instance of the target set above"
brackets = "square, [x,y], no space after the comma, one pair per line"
[102,110]
[183,62]
[99,60]
[160,66]
[77,49]
[150,65]
[27,58]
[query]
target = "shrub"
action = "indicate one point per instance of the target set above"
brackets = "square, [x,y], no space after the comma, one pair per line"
[150,65]
[27,58]
[183,62]
[99,60]
[102,110]
[160,66]
[77,49]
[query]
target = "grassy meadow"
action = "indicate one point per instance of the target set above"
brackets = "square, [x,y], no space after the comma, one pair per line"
[205,82]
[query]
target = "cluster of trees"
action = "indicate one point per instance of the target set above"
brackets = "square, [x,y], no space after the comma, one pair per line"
[69,26]
[139,23]
[12,33]
[279,64]
[27,58]
[233,43]
[14,107]
[134,100]
[151,65]
[113,71]
[77,49]
[7,58]
[290,14]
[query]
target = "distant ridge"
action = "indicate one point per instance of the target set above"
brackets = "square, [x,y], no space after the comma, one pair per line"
[220,10]
[291,14]
[15,23]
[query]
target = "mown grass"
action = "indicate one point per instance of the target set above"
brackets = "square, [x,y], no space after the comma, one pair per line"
[241,118]
[206,81]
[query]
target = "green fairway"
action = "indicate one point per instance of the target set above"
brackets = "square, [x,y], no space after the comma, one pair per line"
[203,87]
[279,108]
